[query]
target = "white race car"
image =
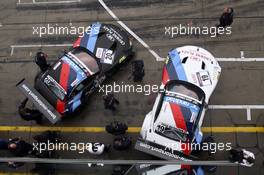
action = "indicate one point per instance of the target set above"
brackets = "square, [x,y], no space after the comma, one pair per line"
[189,77]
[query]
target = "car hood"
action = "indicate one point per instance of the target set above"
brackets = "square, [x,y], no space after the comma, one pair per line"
[107,42]
[194,65]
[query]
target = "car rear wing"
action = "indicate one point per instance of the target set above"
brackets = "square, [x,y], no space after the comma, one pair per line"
[161,151]
[149,169]
[39,101]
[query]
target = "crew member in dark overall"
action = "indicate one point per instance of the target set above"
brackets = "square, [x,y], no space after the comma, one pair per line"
[116,128]
[44,137]
[110,101]
[47,137]
[45,168]
[226,18]
[29,114]
[3,144]
[19,147]
[15,165]
[122,143]
[243,157]
[41,61]
[138,71]
[120,169]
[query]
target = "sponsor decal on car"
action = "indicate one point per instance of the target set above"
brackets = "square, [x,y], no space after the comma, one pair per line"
[75,82]
[110,37]
[57,65]
[114,35]
[182,103]
[122,59]
[204,78]
[105,55]
[38,101]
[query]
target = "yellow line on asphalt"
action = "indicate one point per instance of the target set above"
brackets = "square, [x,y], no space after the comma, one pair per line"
[21,173]
[13,173]
[233,129]
[130,129]
[45,128]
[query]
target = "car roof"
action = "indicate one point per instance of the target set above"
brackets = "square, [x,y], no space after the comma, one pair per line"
[67,73]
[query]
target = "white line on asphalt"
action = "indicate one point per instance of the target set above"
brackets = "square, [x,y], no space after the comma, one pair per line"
[47,2]
[240,59]
[248,108]
[37,45]
[158,58]
[248,114]
[236,106]
[242,54]
[233,59]
[113,162]
[64,45]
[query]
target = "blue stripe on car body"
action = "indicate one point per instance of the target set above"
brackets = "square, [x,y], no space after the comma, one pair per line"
[80,73]
[176,61]
[76,102]
[171,71]
[93,36]
[84,40]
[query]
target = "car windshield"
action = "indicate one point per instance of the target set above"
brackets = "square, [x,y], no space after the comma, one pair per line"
[85,61]
[55,87]
[184,89]
[171,132]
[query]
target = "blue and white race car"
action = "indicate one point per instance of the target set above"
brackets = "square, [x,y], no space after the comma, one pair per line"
[67,84]
[189,77]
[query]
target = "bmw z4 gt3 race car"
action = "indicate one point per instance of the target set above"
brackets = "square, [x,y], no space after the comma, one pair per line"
[189,77]
[67,84]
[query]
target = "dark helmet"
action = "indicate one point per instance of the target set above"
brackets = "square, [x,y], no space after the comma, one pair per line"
[41,61]
[41,58]
[250,160]
[41,55]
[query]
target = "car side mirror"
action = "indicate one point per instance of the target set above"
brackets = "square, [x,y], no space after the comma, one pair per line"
[161,89]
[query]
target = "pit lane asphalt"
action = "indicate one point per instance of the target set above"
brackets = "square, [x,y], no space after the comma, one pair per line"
[240,83]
